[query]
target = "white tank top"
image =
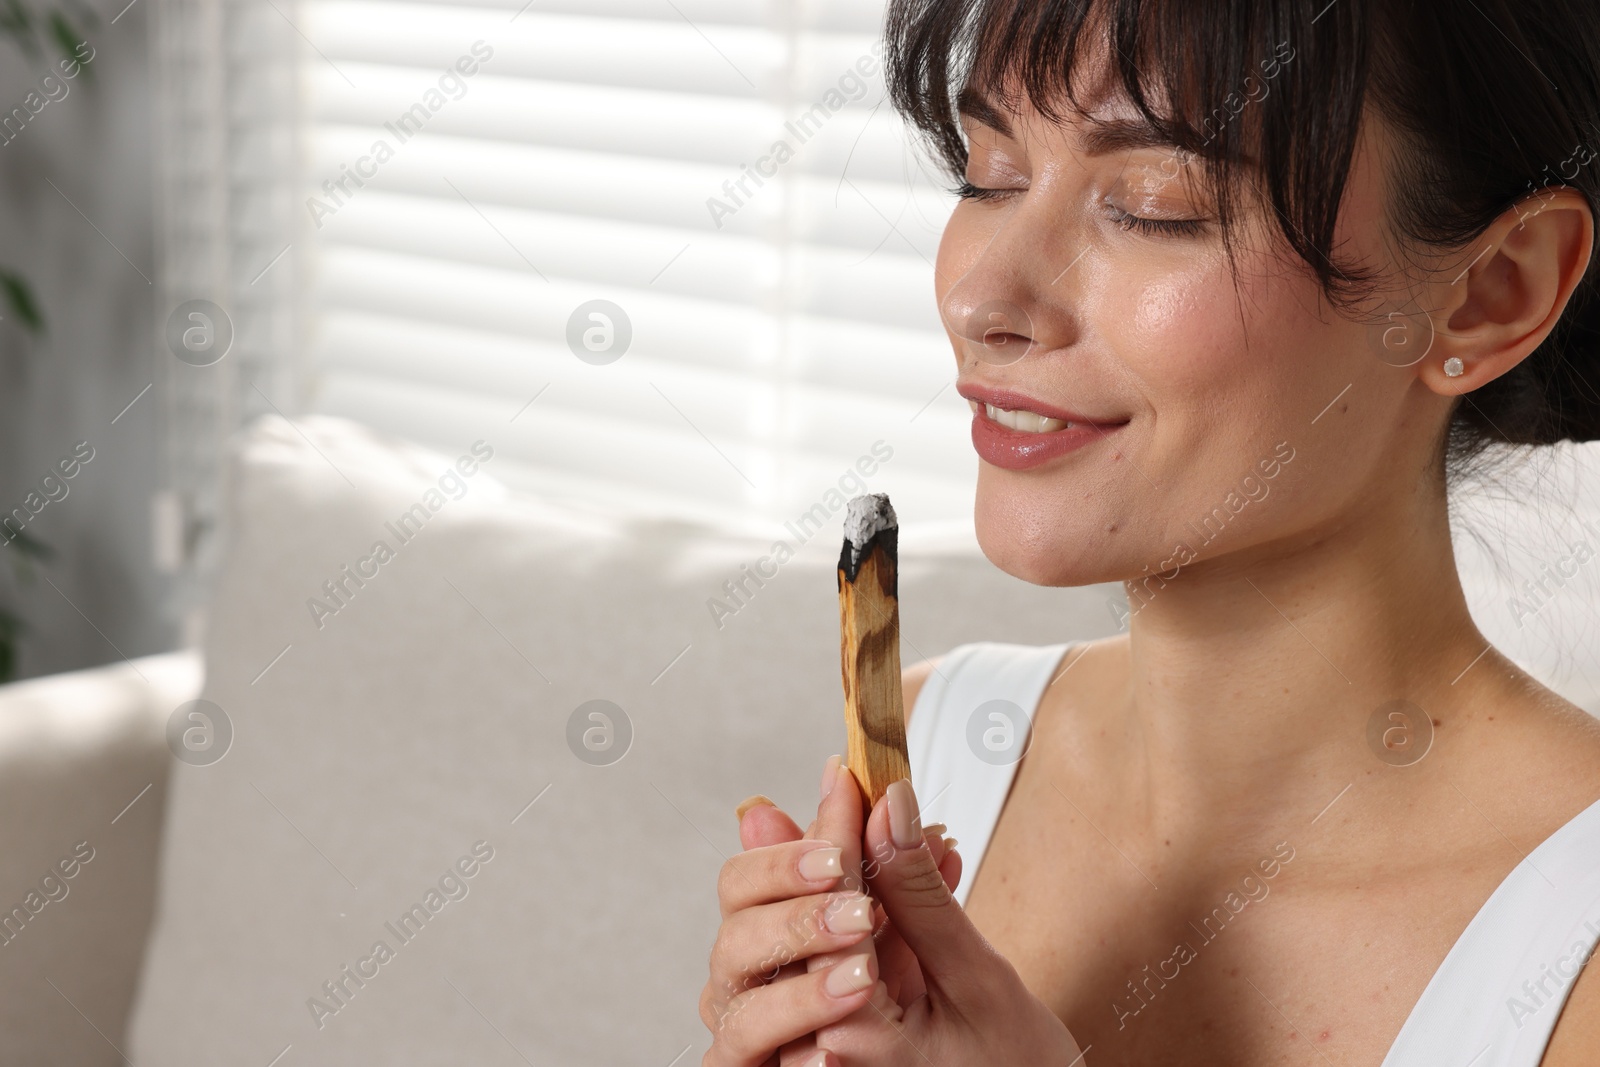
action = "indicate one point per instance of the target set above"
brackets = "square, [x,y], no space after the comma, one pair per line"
[1493,1001]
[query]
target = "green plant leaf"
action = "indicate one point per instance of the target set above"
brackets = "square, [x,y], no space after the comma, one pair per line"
[20,302]
[29,551]
[11,629]
[28,545]
[67,38]
[16,22]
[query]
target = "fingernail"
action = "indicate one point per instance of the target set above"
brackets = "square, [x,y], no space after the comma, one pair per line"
[905,826]
[818,1058]
[850,975]
[935,828]
[848,914]
[751,802]
[949,844]
[821,864]
[830,771]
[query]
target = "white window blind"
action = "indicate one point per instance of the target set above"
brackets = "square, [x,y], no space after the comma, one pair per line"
[777,333]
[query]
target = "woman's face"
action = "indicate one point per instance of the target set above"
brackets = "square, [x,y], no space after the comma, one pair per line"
[1225,414]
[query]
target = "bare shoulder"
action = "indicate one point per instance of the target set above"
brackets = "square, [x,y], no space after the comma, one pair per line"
[1533,735]
[1577,1032]
[911,680]
[1549,740]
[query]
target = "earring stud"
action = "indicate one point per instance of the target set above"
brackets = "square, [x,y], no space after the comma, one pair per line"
[1453,367]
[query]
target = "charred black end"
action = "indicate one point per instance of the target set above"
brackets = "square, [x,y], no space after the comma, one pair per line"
[890,540]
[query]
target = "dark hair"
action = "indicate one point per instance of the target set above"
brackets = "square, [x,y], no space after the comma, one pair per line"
[1493,101]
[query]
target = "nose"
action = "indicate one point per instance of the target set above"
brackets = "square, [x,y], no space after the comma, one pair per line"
[996,331]
[1015,298]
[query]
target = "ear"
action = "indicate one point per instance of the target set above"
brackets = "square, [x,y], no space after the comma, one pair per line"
[1508,289]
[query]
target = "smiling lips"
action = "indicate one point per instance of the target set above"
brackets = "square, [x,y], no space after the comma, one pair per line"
[1017,432]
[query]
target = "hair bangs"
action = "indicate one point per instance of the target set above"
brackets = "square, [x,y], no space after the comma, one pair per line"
[1264,98]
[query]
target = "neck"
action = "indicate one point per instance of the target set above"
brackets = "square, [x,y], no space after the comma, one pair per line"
[1252,678]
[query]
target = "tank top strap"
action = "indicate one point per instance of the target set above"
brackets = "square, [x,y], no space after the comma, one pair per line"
[969,728]
[1495,999]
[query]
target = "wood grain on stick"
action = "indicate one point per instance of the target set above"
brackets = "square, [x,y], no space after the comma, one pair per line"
[869,647]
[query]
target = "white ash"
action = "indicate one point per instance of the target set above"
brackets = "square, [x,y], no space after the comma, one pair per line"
[865,517]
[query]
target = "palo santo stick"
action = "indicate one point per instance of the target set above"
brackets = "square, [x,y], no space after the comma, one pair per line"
[869,645]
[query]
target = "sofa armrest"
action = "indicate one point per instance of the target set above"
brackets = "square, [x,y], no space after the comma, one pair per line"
[83,773]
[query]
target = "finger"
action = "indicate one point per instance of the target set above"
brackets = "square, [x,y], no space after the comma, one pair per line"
[759,1022]
[714,1000]
[840,817]
[752,944]
[944,852]
[795,1053]
[950,868]
[897,965]
[763,823]
[841,814]
[799,1052]
[916,895]
[778,872]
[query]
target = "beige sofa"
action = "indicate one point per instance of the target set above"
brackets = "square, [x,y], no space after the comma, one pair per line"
[83,773]
[418,845]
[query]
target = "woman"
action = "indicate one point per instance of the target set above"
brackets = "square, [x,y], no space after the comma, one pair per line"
[1305,256]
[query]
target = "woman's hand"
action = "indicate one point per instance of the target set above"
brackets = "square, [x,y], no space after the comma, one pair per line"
[964,1003]
[942,993]
[795,950]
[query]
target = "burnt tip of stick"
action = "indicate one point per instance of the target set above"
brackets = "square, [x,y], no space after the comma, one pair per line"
[868,519]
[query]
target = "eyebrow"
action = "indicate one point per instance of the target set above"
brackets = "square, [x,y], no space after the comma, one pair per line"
[1102,137]
[1106,136]
[979,108]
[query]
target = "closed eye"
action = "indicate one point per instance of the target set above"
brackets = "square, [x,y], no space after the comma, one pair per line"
[1156,227]
[968,191]
[1122,219]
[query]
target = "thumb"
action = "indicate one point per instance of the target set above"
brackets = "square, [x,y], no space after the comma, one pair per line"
[762,823]
[905,878]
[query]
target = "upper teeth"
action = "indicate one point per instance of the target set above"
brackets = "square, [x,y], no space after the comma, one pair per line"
[1026,421]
